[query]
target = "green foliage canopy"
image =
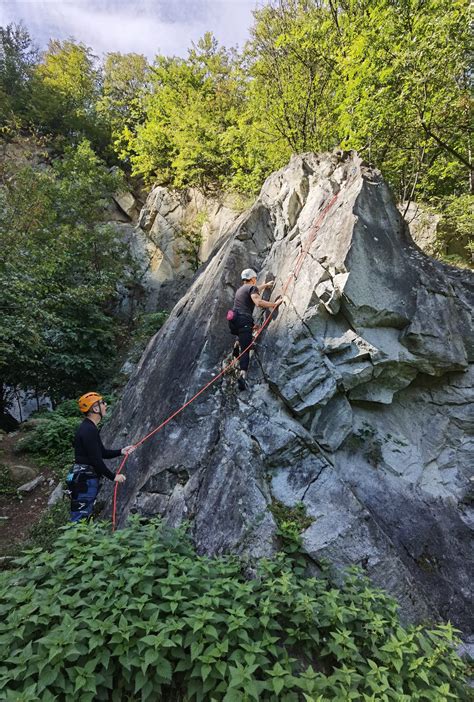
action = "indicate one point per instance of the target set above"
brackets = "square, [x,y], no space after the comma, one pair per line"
[125,85]
[406,94]
[66,90]
[191,105]
[18,58]
[315,75]
[60,274]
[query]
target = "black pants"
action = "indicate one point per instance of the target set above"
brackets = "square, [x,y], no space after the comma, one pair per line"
[242,327]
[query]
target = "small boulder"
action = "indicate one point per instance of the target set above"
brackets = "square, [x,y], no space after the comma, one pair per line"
[29,487]
[127,203]
[19,473]
[56,495]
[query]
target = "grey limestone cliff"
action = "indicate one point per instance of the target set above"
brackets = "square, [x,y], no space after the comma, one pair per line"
[360,399]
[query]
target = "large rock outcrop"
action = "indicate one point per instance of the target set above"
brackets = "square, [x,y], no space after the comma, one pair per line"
[175,233]
[360,397]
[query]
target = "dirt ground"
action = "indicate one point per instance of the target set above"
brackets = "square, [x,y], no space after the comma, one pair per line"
[18,514]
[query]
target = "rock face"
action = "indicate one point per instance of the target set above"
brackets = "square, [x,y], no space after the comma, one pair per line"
[179,231]
[173,234]
[359,399]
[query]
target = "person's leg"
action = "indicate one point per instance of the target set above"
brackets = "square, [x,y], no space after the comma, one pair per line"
[245,340]
[83,496]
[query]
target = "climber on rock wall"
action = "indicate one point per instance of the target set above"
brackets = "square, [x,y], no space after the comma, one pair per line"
[240,318]
[89,452]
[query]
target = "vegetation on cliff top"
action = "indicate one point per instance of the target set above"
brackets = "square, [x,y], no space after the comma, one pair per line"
[315,75]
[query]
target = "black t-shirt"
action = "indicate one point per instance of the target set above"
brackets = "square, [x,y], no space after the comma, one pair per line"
[243,302]
[89,449]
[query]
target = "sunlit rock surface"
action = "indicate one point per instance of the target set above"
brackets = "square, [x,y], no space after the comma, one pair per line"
[360,400]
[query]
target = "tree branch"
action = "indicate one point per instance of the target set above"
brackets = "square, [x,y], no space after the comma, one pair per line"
[445,146]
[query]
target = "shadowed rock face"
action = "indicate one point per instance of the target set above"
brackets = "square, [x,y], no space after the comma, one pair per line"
[359,404]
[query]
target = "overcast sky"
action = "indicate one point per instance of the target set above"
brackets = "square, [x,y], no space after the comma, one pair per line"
[142,26]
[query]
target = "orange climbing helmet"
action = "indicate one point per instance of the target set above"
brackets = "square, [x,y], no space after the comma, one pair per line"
[86,401]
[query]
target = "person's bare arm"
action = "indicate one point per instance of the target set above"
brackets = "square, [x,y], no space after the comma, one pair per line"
[265,286]
[258,302]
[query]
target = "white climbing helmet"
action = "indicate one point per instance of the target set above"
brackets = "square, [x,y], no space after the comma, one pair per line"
[248,274]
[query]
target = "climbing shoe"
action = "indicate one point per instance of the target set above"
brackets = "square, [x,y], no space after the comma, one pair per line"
[241,383]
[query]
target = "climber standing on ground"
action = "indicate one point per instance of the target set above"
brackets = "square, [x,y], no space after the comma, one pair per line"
[89,452]
[241,321]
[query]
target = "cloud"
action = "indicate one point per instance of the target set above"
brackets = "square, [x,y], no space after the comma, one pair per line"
[142,26]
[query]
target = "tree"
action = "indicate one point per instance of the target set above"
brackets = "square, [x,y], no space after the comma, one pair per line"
[405,98]
[192,104]
[67,87]
[292,58]
[18,57]
[60,275]
[126,82]
[366,75]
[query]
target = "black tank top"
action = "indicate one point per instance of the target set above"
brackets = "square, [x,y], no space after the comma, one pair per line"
[243,302]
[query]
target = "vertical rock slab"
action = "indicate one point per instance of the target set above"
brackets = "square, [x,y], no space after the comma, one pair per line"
[360,403]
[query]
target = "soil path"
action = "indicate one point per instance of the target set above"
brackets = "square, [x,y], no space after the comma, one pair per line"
[18,514]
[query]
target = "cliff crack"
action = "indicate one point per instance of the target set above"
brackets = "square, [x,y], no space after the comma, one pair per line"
[311,482]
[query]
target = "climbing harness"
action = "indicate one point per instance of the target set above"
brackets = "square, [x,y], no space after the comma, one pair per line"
[83,486]
[79,471]
[293,276]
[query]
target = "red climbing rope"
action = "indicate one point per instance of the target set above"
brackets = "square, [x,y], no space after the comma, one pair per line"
[309,240]
[178,411]
[293,274]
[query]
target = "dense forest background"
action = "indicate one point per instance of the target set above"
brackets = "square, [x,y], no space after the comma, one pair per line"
[389,78]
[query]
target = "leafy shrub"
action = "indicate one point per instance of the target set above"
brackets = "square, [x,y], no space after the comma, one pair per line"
[45,532]
[7,486]
[454,242]
[150,323]
[137,615]
[51,441]
[290,520]
[69,408]
[192,237]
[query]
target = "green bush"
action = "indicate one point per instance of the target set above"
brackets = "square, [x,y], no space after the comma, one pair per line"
[454,238]
[7,486]
[45,532]
[137,615]
[51,441]
[291,521]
